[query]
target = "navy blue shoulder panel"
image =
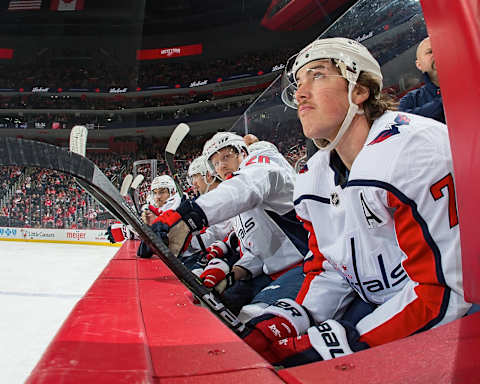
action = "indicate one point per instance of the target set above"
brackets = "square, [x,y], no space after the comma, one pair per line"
[292,228]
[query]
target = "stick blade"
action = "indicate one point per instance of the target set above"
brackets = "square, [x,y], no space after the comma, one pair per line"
[127,182]
[176,138]
[137,181]
[78,139]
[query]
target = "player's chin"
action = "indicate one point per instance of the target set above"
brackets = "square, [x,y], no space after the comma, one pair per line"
[309,130]
[227,175]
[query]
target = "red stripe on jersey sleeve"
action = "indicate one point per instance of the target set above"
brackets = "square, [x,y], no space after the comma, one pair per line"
[315,263]
[420,266]
[314,266]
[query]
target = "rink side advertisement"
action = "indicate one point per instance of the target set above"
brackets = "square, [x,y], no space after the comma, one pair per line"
[69,236]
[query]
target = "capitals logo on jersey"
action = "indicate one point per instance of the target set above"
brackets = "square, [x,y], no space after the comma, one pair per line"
[387,278]
[393,130]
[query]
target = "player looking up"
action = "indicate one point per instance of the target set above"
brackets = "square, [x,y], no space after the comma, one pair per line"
[378,199]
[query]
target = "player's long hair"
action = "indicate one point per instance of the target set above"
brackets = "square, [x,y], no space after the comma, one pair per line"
[377,102]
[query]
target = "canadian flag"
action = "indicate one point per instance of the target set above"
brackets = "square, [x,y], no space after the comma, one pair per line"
[67,5]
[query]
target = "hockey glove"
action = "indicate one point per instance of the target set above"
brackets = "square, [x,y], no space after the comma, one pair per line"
[160,230]
[232,242]
[188,219]
[118,232]
[284,319]
[216,250]
[228,249]
[154,209]
[144,251]
[325,341]
[217,274]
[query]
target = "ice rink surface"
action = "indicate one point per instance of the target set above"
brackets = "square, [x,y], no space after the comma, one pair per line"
[39,285]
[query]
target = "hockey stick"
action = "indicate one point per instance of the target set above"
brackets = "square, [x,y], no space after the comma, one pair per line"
[78,144]
[78,139]
[25,153]
[124,191]
[127,182]
[135,184]
[176,138]
[105,216]
[137,181]
[130,182]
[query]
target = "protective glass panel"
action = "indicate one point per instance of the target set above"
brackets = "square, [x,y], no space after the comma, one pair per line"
[390,30]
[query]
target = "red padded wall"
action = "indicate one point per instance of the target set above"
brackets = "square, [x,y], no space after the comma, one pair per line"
[137,324]
[447,354]
[103,340]
[455,35]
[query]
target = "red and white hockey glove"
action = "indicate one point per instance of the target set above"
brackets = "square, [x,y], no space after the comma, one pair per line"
[118,232]
[328,340]
[217,274]
[284,319]
[218,249]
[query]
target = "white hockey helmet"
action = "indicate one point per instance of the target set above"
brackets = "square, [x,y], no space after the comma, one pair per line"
[163,181]
[197,166]
[219,141]
[262,146]
[351,58]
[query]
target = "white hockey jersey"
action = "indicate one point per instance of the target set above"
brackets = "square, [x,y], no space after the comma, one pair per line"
[389,228]
[213,233]
[259,198]
[172,203]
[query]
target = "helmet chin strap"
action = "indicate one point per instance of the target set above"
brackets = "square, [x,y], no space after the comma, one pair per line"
[352,111]
[208,184]
[214,178]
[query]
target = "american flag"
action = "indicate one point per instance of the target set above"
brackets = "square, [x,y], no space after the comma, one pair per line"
[24,5]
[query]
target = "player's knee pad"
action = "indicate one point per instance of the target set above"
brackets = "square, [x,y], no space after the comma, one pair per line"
[250,311]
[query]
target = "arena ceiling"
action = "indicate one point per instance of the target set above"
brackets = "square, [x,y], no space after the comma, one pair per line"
[224,28]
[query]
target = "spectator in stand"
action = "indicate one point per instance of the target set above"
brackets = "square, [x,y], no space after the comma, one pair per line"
[427,100]
[45,191]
